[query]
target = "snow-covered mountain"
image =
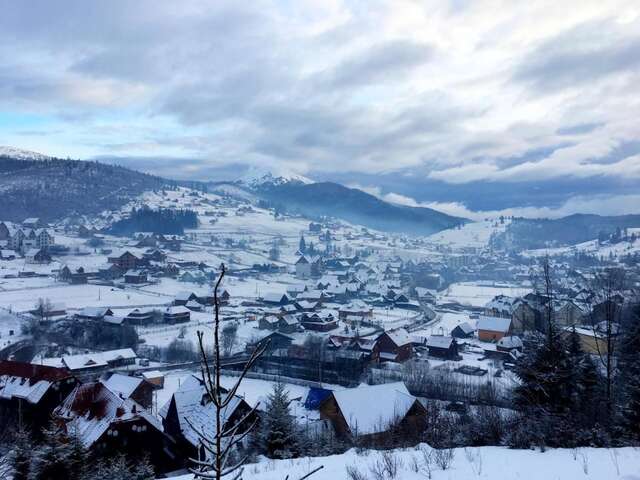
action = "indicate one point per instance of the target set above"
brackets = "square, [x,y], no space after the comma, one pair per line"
[257,178]
[20,154]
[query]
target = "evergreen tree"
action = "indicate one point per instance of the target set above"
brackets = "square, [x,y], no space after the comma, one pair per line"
[302,247]
[52,458]
[22,456]
[629,377]
[77,458]
[545,393]
[277,429]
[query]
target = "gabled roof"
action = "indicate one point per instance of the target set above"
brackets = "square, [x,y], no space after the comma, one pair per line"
[465,327]
[399,336]
[122,385]
[91,408]
[494,324]
[28,381]
[439,341]
[372,409]
[195,412]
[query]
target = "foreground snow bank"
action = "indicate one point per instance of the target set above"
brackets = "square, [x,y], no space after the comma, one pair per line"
[467,464]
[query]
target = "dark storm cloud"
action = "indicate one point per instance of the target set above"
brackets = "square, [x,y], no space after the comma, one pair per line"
[575,57]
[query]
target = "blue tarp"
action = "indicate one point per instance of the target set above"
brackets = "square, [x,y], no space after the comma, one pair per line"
[315,397]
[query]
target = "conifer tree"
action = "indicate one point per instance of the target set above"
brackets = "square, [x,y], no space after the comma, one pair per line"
[278,430]
[629,377]
[22,456]
[51,460]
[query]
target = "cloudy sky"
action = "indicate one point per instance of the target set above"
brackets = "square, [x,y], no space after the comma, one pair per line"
[468,106]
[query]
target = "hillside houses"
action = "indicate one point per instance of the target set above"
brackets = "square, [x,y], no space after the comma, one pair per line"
[22,238]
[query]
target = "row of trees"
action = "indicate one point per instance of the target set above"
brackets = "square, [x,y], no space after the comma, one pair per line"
[57,456]
[161,221]
[568,397]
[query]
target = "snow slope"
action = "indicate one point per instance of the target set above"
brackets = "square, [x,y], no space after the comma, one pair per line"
[20,154]
[488,463]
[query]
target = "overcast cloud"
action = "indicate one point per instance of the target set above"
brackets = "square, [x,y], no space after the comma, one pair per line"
[459,94]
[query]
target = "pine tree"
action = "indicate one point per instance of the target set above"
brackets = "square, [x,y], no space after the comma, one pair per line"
[51,461]
[302,247]
[629,377]
[22,456]
[278,431]
[77,458]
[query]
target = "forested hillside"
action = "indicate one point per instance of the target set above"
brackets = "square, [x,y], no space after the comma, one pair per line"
[53,188]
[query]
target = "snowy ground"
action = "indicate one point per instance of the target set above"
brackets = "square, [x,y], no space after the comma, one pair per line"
[478,294]
[490,463]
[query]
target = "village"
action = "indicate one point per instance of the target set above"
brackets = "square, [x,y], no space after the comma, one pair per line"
[98,330]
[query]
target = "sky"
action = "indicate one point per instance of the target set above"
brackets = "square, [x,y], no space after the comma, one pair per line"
[472,107]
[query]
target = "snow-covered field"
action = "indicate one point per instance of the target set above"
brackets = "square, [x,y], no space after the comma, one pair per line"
[490,463]
[477,294]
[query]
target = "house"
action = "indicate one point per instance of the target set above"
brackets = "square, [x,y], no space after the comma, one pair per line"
[272,341]
[140,316]
[33,223]
[155,378]
[93,313]
[370,413]
[275,299]
[303,268]
[190,413]
[509,344]
[107,423]
[462,330]
[569,313]
[179,314]
[31,392]
[492,329]
[135,276]
[269,323]
[125,261]
[183,297]
[393,345]
[441,346]
[308,267]
[288,324]
[7,254]
[109,272]
[591,340]
[38,256]
[135,388]
[319,322]
[94,363]
[194,306]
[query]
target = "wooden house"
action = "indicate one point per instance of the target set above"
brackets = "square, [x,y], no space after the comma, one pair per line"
[492,329]
[369,414]
[441,346]
[393,346]
[179,314]
[106,423]
[190,413]
[29,393]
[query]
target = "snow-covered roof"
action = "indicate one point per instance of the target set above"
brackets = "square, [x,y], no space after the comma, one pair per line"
[99,359]
[439,341]
[26,381]
[494,324]
[399,336]
[510,342]
[123,385]
[195,412]
[465,327]
[91,408]
[371,409]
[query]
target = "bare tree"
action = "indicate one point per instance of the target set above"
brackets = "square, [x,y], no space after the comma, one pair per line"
[217,454]
[229,337]
[605,313]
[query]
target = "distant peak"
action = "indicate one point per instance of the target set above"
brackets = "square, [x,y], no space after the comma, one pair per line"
[20,154]
[257,177]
